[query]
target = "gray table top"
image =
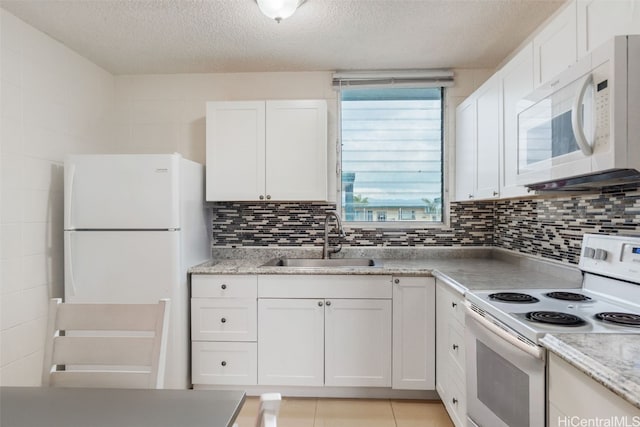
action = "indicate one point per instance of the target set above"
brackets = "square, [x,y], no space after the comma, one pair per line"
[75,407]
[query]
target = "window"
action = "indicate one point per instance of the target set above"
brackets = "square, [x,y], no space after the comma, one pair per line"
[392,154]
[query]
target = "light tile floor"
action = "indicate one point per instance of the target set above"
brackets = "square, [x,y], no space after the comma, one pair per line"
[301,412]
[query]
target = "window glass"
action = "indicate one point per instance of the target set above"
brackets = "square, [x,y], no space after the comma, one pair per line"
[391,154]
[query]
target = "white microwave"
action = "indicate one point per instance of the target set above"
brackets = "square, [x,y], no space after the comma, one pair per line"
[582,129]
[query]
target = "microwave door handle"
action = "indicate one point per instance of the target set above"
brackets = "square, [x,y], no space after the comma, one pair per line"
[577,123]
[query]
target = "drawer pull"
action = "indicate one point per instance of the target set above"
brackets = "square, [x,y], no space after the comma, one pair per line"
[223,286]
[454,401]
[455,346]
[328,303]
[397,281]
[320,303]
[223,320]
[454,304]
[224,363]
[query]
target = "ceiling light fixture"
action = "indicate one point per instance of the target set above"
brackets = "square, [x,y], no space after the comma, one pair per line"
[279,9]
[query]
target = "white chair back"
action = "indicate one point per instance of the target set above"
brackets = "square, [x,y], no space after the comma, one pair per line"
[269,409]
[106,345]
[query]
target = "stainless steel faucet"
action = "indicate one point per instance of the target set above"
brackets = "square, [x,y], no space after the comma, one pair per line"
[326,250]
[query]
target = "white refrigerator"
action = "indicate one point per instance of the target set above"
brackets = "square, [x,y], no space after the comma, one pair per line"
[133,225]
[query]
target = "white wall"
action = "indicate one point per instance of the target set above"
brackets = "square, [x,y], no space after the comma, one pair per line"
[54,102]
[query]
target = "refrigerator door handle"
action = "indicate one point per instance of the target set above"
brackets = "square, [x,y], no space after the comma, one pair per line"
[68,191]
[68,266]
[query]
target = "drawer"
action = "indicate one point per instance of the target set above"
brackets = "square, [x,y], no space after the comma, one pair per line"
[224,319]
[454,303]
[455,345]
[224,363]
[457,403]
[224,286]
[325,286]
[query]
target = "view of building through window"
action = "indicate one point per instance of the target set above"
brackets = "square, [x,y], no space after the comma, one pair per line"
[392,154]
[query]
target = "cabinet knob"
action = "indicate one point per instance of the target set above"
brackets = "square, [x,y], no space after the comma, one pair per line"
[495,193]
[454,304]
[455,346]
[224,363]
[223,320]
[223,286]
[396,281]
[320,303]
[454,401]
[471,196]
[268,197]
[261,197]
[328,303]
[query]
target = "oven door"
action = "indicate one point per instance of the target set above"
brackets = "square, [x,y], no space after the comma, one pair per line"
[505,376]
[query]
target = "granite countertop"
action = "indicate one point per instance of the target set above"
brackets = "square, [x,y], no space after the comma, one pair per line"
[610,359]
[462,268]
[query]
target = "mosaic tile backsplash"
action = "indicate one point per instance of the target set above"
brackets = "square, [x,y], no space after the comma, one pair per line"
[551,227]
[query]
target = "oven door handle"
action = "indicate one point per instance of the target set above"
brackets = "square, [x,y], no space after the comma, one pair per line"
[534,351]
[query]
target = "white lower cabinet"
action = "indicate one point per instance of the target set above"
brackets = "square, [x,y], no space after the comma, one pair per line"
[313,331]
[224,363]
[327,336]
[357,342]
[291,337]
[450,356]
[596,402]
[224,329]
[414,339]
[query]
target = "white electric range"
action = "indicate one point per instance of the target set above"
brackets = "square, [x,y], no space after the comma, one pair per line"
[506,365]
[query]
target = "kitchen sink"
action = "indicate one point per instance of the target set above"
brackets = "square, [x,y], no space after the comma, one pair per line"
[322,262]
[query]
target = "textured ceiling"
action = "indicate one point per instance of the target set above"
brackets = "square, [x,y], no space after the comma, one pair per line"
[202,36]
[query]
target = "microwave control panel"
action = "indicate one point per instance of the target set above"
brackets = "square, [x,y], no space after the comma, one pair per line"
[602,89]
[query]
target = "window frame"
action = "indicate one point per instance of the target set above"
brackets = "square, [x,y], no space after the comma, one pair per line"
[445,159]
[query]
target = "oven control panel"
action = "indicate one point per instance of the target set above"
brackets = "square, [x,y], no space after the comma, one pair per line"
[613,256]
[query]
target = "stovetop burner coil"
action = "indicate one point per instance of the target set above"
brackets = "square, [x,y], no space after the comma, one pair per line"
[567,296]
[625,319]
[555,318]
[513,297]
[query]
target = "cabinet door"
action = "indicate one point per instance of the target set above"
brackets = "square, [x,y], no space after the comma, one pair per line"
[296,150]
[414,335]
[235,151]
[291,342]
[465,149]
[565,382]
[555,47]
[358,343]
[599,20]
[517,82]
[488,139]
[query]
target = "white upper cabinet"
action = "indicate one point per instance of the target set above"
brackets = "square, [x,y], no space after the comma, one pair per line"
[599,20]
[296,150]
[266,150]
[235,150]
[488,140]
[555,46]
[478,143]
[466,149]
[516,79]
